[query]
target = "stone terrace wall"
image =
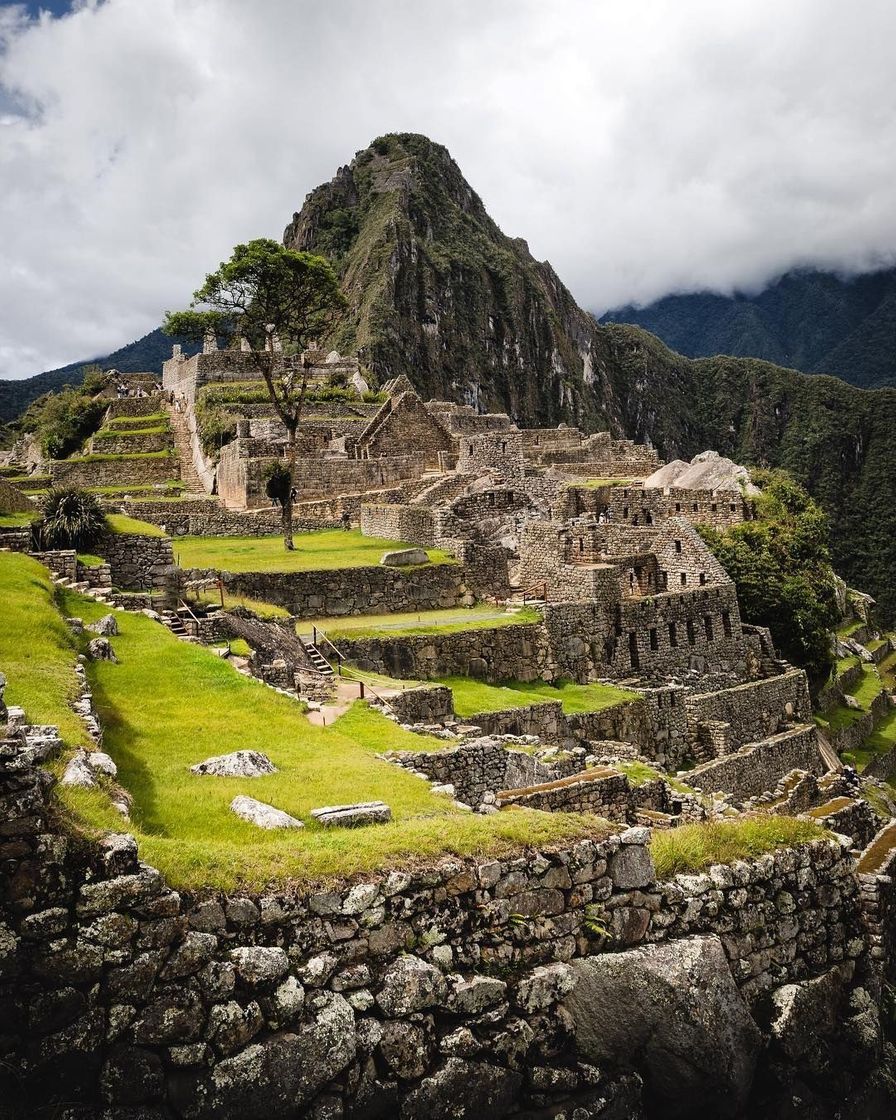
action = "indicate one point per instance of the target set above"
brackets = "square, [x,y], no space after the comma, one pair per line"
[606,795]
[758,767]
[636,506]
[516,652]
[416,524]
[253,1007]
[348,591]
[756,709]
[114,472]
[138,563]
[134,406]
[423,705]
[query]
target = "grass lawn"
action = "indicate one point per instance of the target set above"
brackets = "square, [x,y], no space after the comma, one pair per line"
[117,433]
[639,772]
[139,421]
[472,697]
[37,650]
[18,520]
[212,597]
[847,629]
[595,483]
[484,616]
[121,523]
[692,846]
[867,687]
[167,704]
[887,670]
[320,550]
[158,491]
[89,560]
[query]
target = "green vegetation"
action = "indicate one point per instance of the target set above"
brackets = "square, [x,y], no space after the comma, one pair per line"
[451,620]
[104,457]
[18,520]
[472,697]
[867,687]
[71,519]
[639,772]
[121,523]
[321,550]
[89,560]
[37,651]
[597,483]
[781,567]
[239,647]
[848,628]
[114,433]
[693,846]
[128,422]
[167,704]
[212,597]
[62,421]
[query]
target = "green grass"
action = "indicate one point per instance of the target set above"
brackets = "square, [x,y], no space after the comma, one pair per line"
[121,523]
[472,697]
[835,719]
[867,687]
[887,670]
[112,433]
[103,457]
[595,483]
[155,490]
[845,663]
[136,421]
[693,846]
[453,620]
[89,560]
[31,482]
[37,651]
[212,597]
[240,647]
[320,550]
[847,629]
[168,704]
[18,520]
[639,772]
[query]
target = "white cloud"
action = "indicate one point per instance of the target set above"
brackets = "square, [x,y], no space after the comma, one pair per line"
[639,145]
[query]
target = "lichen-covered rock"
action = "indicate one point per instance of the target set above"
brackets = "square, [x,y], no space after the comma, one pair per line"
[101,763]
[631,867]
[673,1012]
[276,1077]
[545,985]
[107,626]
[405,1047]
[261,814]
[237,764]
[256,964]
[404,557]
[100,649]
[78,773]
[410,984]
[463,1088]
[470,997]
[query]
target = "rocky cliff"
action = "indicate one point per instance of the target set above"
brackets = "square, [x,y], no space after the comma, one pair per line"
[439,293]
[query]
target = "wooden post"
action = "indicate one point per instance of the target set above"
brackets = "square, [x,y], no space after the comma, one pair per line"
[361,687]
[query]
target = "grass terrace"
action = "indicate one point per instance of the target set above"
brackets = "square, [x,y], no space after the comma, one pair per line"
[144,491]
[126,423]
[867,687]
[472,697]
[211,597]
[320,550]
[117,433]
[121,523]
[483,616]
[104,457]
[597,483]
[694,846]
[18,520]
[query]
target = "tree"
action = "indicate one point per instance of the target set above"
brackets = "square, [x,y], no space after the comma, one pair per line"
[275,298]
[781,567]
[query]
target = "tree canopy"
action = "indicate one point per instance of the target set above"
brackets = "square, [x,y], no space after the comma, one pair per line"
[781,567]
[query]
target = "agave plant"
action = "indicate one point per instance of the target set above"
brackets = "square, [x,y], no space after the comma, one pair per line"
[72,519]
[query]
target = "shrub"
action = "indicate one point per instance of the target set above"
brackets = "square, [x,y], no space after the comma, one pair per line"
[72,519]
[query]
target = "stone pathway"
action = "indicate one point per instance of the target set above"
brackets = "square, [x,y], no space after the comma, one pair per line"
[347,692]
[182,444]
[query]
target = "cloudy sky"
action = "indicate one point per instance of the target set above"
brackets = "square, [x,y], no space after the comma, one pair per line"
[642,146]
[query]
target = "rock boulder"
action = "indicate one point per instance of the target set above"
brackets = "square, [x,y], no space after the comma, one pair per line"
[238,764]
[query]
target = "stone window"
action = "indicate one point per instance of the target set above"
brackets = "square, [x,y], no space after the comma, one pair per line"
[654,641]
[692,637]
[673,635]
[678,507]
[733,507]
[726,623]
[707,626]
[684,579]
[696,507]
[633,649]
[713,507]
[678,546]
[702,578]
[624,513]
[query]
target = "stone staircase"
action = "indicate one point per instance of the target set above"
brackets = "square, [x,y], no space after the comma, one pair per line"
[100,594]
[173,621]
[189,476]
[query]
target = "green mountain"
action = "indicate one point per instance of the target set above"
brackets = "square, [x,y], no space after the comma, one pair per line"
[439,293]
[143,356]
[814,321]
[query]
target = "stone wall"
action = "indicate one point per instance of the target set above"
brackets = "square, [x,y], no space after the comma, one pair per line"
[316,594]
[114,472]
[635,505]
[517,652]
[431,704]
[285,1003]
[138,563]
[754,710]
[123,443]
[134,406]
[606,793]
[416,524]
[758,767]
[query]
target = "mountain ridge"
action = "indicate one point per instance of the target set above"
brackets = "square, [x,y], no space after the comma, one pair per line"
[809,319]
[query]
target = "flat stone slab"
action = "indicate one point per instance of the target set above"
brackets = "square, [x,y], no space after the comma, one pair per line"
[238,764]
[261,814]
[352,816]
[402,557]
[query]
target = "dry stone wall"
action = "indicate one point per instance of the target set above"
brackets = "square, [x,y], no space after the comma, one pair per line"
[753,710]
[123,471]
[315,594]
[758,767]
[138,563]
